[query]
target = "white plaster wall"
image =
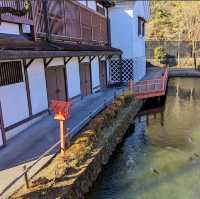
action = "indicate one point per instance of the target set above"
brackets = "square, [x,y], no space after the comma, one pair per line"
[73,78]
[37,85]
[124,32]
[140,68]
[121,22]
[9,28]
[57,62]
[95,74]
[83,2]
[86,60]
[92,5]
[141,8]
[14,103]
[1,138]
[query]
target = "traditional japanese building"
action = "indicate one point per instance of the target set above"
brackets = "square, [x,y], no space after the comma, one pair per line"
[64,50]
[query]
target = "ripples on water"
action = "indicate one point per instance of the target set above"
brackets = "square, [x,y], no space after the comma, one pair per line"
[160,156]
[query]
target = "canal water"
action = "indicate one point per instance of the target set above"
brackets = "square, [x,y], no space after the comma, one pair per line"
[160,155]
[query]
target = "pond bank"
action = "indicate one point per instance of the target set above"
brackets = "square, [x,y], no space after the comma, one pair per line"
[60,179]
[184,72]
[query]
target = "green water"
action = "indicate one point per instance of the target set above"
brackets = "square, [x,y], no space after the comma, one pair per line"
[160,157]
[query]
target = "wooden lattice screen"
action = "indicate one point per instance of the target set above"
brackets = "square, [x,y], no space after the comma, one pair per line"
[10,72]
[70,20]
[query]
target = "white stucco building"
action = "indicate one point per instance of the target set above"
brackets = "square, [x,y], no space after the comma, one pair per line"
[127,21]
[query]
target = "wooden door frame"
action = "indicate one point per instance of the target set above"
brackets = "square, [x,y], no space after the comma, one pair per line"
[90,76]
[105,70]
[65,79]
[2,128]
[90,67]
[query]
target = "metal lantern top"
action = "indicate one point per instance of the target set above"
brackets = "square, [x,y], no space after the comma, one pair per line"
[60,109]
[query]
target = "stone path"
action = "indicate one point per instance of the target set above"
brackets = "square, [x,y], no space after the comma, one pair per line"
[153,73]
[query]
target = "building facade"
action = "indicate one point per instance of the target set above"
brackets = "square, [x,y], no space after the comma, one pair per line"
[127,20]
[62,49]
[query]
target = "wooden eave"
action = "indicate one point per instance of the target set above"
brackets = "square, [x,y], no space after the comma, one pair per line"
[12,47]
[24,54]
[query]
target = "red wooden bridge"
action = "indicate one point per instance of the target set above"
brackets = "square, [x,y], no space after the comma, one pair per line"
[150,88]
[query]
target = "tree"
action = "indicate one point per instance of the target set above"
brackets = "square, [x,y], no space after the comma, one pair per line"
[160,26]
[160,55]
[175,21]
[188,16]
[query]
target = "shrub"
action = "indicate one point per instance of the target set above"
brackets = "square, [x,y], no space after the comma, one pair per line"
[128,97]
[160,55]
[97,124]
[83,145]
[117,103]
[86,137]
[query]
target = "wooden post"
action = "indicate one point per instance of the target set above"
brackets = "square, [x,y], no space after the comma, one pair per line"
[25,177]
[61,110]
[62,137]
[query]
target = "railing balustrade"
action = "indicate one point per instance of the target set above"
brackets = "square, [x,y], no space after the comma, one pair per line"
[18,5]
[150,88]
[69,20]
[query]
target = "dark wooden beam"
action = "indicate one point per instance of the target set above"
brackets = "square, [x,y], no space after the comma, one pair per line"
[67,60]
[100,57]
[46,63]
[27,88]
[11,54]
[92,58]
[29,63]
[80,59]
[2,127]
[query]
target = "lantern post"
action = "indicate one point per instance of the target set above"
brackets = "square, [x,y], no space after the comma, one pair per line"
[61,111]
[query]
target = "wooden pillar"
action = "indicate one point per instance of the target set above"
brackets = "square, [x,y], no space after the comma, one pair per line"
[62,137]
[162,118]
[27,87]
[2,129]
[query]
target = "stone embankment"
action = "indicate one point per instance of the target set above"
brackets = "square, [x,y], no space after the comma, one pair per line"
[184,72]
[71,176]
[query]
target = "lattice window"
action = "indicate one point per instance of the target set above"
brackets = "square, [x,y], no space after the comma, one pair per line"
[10,72]
[127,70]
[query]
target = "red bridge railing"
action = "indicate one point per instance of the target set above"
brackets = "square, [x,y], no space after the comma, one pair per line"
[150,88]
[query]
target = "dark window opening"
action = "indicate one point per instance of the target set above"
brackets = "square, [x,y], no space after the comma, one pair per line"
[141,26]
[101,9]
[10,73]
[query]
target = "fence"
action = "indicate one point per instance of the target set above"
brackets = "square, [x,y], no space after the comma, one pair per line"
[150,88]
[179,53]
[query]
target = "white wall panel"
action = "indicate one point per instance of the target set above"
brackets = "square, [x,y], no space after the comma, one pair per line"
[14,103]
[57,62]
[95,73]
[92,5]
[37,85]
[9,28]
[73,78]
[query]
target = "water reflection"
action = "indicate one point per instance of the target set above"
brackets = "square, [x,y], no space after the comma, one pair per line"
[160,158]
